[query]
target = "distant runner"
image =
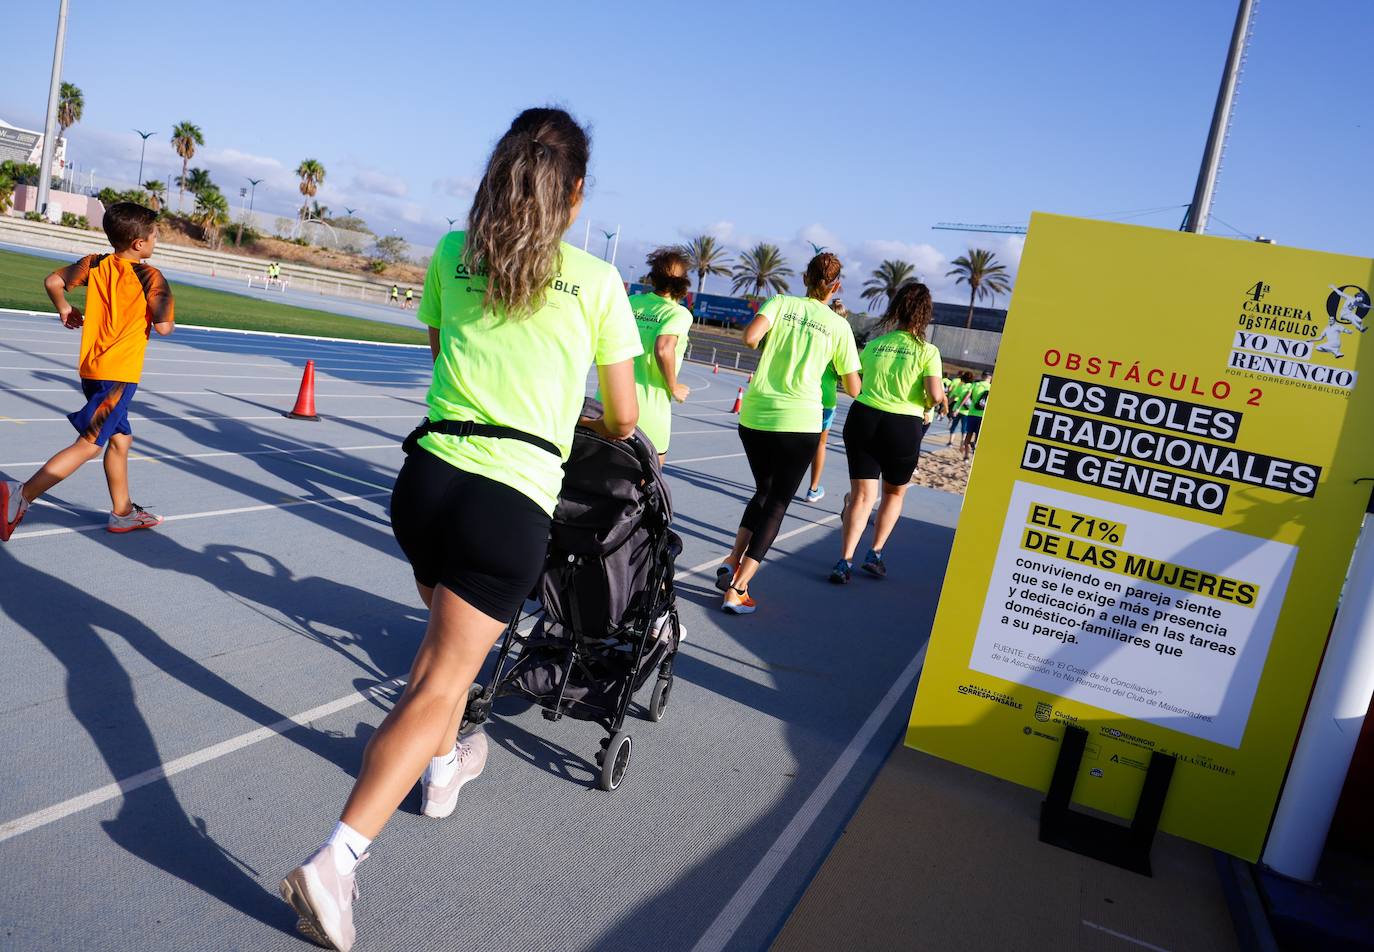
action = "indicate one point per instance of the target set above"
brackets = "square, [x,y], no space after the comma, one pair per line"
[977,401]
[829,384]
[781,418]
[663,328]
[395,294]
[882,434]
[410,298]
[958,403]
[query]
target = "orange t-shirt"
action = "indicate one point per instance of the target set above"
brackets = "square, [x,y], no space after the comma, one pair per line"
[123,300]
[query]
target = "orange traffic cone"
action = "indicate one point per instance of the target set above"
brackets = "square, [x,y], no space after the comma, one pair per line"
[739,398]
[750,380]
[305,400]
[715,368]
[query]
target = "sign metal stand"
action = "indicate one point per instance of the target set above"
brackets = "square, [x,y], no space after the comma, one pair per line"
[1100,839]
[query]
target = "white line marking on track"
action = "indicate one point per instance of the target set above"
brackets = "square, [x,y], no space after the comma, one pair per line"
[290,452]
[362,363]
[331,472]
[265,507]
[39,818]
[718,935]
[701,459]
[140,418]
[823,521]
[1124,937]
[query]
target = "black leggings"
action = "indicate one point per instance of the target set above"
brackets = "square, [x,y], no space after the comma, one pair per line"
[778,462]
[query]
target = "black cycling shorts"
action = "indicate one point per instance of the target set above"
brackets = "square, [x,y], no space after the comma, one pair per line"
[480,539]
[879,443]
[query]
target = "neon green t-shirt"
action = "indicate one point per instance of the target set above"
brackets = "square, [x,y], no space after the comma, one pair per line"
[895,368]
[657,317]
[956,397]
[830,383]
[527,374]
[978,399]
[804,338]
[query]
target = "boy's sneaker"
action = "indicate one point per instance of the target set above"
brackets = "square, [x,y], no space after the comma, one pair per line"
[438,800]
[13,506]
[842,572]
[815,495]
[138,518]
[874,564]
[323,898]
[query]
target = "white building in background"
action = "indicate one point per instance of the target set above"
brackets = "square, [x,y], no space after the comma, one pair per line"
[26,146]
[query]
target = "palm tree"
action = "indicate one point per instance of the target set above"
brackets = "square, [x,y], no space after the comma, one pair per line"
[211,213]
[705,256]
[70,103]
[887,279]
[318,211]
[185,137]
[196,182]
[983,275]
[157,193]
[762,266]
[311,173]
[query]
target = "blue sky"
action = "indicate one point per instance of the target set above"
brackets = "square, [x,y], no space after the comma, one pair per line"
[857,126]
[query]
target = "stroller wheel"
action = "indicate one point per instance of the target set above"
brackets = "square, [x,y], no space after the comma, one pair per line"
[614,760]
[658,701]
[475,711]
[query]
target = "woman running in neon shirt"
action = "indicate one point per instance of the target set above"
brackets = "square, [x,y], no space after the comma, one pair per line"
[516,318]
[882,434]
[780,421]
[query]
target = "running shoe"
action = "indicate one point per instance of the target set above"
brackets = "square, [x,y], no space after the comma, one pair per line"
[13,506]
[323,898]
[874,564]
[842,572]
[138,518]
[815,495]
[438,800]
[723,576]
[745,605]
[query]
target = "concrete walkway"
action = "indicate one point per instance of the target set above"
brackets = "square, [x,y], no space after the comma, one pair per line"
[939,857]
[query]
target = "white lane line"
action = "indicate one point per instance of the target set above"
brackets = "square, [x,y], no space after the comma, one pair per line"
[291,451]
[140,418]
[701,459]
[39,818]
[319,394]
[233,330]
[362,363]
[332,472]
[742,903]
[1124,937]
[323,373]
[819,523]
[209,514]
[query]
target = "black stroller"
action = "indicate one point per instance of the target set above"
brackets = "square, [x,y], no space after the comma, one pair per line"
[609,614]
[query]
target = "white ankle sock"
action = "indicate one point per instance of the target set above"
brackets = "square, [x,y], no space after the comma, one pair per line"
[347,846]
[442,769]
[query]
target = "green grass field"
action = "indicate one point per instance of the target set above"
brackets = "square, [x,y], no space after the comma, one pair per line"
[21,286]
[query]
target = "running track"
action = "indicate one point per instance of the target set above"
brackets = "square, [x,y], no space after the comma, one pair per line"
[184,709]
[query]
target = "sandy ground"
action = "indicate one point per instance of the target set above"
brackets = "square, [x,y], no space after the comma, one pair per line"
[942,469]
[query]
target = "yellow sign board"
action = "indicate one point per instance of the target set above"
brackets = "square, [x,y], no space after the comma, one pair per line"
[1160,517]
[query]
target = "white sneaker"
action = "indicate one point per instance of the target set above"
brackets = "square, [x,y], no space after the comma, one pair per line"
[323,898]
[138,518]
[438,800]
[13,506]
[815,495]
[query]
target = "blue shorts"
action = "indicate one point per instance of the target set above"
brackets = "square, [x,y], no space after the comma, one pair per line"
[106,411]
[827,417]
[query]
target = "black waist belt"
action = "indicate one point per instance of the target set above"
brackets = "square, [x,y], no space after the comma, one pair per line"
[473,428]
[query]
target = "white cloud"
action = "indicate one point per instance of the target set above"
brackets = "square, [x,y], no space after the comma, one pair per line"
[458,186]
[370,181]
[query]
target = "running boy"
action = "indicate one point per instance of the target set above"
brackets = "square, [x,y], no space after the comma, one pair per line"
[977,402]
[125,299]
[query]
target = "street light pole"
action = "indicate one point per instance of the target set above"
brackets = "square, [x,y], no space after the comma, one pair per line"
[251,195]
[141,151]
[1201,207]
[50,121]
